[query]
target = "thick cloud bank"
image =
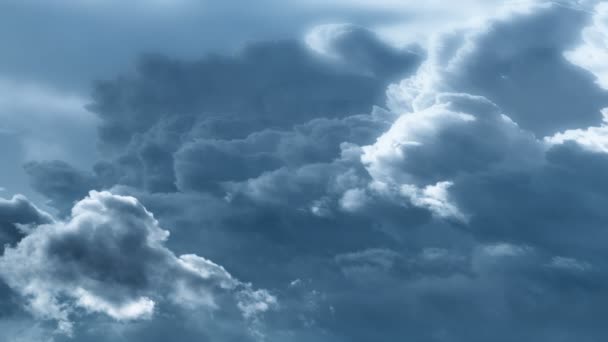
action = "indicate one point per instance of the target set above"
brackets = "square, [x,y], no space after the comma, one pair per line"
[471,209]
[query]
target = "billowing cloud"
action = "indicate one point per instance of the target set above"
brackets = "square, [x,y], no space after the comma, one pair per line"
[471,210]
[267,85]
[61,183]
[109,258]
[516,61]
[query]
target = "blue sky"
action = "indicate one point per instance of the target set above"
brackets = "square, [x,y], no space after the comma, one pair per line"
[303,171]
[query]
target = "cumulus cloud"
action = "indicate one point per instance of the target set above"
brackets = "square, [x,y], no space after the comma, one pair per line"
[171,112]
[478,197]
[275,84]
[435,141]
[109,257]
[458,133]
[516,61]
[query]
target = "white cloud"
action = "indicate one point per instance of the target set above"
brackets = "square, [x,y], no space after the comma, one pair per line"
[109,257]
[409,133]
[504,250]
[434,198]
[593,53]
[353,199]
[592,138]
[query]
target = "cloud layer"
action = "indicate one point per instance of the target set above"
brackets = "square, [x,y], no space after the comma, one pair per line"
[471,208]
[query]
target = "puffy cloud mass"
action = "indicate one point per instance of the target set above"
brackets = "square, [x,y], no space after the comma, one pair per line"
[109,257]
[471,208]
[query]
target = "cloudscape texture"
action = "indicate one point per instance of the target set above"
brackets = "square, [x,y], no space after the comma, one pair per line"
[348,171]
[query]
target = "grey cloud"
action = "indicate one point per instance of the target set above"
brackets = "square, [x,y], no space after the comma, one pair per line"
[271,84]
[517,62]
[16,215]
[205,162]
[491,176]
[458,134]
[362,51]
[509,186]
[60,182]
[158,121]
[590,54]
[169,111]
[110,258]
[448,219]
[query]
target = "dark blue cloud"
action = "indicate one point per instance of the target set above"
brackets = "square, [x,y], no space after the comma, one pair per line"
[446,218]
[16,215]
[60,182]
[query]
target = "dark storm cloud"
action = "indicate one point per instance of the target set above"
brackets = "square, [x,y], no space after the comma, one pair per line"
[446,219]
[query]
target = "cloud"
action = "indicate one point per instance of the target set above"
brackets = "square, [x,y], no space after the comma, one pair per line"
[60,182]
[16,215]
[458,133]
[514,189]
[277,84]
[181,28]
[485,151]
[434,198]
[449,209]
[362,50]
[109,257]
[517,62]
[33,112]
[592,53]
[592,138]
[204,162]
[155,125]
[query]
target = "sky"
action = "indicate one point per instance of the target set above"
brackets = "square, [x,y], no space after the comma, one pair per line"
[272,171]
